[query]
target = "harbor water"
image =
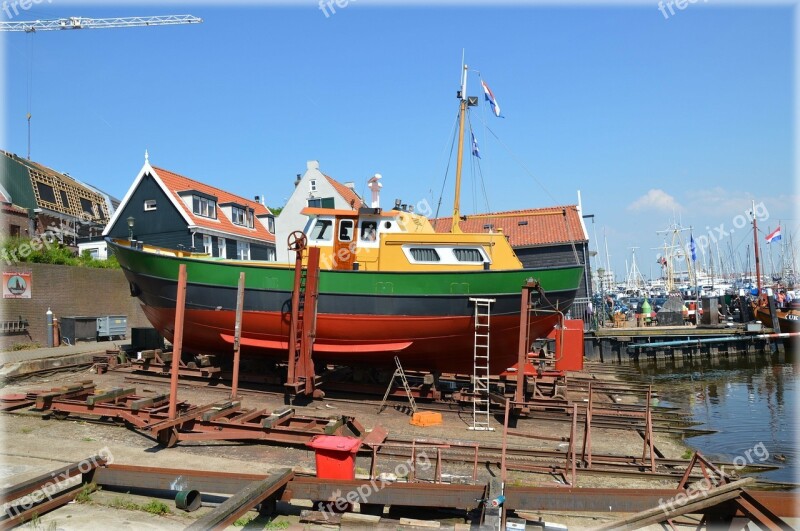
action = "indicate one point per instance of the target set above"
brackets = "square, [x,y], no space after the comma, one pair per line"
[749,400]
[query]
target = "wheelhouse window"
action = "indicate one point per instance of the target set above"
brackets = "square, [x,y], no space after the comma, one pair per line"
[422,254]
[369,231]
[322,230]
[202,206]
[346,230]
[468,255]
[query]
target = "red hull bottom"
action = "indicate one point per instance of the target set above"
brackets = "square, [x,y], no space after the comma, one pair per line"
[435,344]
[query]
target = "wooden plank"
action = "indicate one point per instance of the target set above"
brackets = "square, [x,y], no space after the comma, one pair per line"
[219,410]
[277,417]
[136,405]
[421,523]
[117,392]
[655,515]
[244,500]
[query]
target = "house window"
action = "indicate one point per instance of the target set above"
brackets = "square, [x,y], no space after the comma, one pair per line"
[322,230]
[14,231]
[271,224]
[242,216]
[202,206]
[87,206]
[208,245]
[64,200]
[46,192]
[271,255]
[223,250]
[468,255]
[243,250]
[346,230]
[421,254]
[324,202]
[312,184]
[149,204]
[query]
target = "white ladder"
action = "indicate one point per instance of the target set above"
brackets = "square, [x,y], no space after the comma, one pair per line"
[480,366]
[401,373]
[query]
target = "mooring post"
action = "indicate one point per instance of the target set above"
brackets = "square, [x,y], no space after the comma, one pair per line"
[177,343]
[237,336]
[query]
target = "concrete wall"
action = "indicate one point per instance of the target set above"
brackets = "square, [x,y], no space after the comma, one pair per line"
[69,291]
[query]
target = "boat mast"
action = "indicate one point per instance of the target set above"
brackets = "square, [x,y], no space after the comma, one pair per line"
[462,95]
[755,246]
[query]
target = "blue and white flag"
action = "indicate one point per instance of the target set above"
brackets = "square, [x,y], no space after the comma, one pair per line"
[693,248]
[475,150]
[775,235]
[489,96]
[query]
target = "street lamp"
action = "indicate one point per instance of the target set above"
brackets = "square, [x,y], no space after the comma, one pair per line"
[131,222]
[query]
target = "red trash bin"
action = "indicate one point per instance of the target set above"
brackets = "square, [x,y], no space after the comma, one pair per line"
[335,455]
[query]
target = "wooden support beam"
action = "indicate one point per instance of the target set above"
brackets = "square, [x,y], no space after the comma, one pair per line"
[244,500]
[278,417]
[114,394]
[218,410]
[153,401]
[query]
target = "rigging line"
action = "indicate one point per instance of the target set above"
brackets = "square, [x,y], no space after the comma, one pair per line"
[522,165]
[447,170]
[480,175]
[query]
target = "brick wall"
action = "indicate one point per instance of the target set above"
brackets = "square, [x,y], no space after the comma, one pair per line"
[69,291]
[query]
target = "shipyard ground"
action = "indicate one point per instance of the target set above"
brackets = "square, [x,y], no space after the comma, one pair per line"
[33,446]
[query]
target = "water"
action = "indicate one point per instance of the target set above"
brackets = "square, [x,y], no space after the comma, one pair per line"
[749,400]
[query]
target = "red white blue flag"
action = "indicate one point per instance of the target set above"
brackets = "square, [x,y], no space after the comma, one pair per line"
[775,235]
[487,92]
[475,151]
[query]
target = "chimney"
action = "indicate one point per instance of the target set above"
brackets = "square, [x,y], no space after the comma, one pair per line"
[297,180]
[350,184]
[375,186]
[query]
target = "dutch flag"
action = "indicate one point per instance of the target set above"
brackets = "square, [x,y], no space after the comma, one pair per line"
[487,92]
[475,151]
[775,235]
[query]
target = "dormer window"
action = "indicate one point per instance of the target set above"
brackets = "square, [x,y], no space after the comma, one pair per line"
[202,206]
[242,216]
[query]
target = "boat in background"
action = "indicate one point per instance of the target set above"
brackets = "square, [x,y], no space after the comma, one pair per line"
[389,285]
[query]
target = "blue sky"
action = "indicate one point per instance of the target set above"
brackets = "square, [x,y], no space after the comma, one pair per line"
[650,118]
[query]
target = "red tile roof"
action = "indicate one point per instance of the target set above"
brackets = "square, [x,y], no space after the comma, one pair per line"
[178,183]
[348,193]
[545,226]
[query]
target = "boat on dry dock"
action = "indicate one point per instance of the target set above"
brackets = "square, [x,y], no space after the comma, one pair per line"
[389,285]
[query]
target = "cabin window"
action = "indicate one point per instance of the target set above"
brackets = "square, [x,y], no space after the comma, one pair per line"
[346,230]
[64,200]
[468,255]
[149,204]
[421,254]
[222,245]
[202,206]
[322,230]
[369,231]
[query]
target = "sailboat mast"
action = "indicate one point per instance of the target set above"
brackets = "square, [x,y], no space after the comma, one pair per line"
[755,246]
[462,116]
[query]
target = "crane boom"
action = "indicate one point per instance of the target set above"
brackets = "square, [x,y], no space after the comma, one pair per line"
[72,23]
